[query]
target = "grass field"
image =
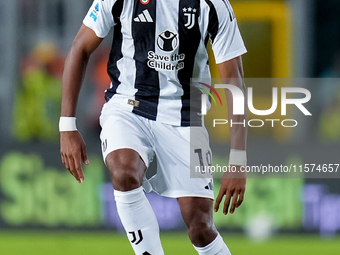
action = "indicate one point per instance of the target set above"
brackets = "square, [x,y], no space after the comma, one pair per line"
[89,243]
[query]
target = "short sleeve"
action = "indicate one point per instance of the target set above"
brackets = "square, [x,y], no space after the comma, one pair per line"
[227,42]
[99,17]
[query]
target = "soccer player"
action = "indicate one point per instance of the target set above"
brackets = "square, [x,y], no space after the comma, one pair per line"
[158,46]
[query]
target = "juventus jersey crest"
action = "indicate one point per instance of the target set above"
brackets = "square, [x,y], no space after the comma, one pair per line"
[190,13]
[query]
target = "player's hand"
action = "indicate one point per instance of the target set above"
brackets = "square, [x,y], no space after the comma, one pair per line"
[73,153]
[233,185]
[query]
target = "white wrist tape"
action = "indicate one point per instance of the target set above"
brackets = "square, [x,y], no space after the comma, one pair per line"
[67,124]
[238,157]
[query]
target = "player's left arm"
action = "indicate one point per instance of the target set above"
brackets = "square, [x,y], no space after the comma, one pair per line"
[233,185]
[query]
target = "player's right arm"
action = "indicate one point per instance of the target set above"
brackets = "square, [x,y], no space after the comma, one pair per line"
[72,146]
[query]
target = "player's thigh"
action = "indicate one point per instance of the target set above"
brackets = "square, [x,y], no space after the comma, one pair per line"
[178,153]
[126,147]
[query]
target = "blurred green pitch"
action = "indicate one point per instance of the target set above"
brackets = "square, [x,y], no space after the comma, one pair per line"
[104,243]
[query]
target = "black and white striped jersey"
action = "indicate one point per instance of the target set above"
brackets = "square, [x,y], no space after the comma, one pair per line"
[158,46]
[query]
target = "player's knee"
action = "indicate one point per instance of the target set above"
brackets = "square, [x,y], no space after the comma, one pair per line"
[201,234]
[125,174]
[125,181]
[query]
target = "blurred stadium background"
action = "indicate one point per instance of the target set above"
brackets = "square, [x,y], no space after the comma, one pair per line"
[44,211]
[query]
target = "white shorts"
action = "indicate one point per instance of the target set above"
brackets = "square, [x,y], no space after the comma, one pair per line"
[177,155]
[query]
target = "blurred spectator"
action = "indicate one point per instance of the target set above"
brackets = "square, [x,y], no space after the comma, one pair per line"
[37,104]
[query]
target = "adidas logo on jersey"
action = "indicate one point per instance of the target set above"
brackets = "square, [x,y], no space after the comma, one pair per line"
[144,17]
